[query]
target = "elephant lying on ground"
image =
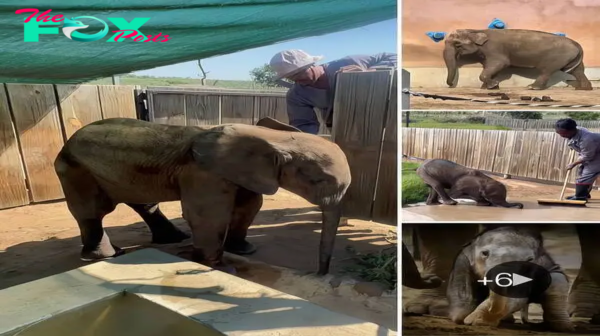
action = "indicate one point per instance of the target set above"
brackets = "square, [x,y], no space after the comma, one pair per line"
[497,49]
[440,243]
[219,173]
[474,304]
[462,182]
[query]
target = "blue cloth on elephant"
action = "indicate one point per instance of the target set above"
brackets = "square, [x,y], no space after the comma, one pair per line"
[302,99]
[587,144]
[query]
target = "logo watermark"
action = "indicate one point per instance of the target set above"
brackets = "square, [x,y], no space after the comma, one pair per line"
[70,27]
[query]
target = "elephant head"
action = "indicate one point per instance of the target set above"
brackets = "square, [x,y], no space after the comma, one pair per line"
[463,42]
[495,192]
[263,159]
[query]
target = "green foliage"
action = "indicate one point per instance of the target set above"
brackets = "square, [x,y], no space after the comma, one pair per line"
[377,267]
[583,115]
[525,115]
[264,75]
[414,190]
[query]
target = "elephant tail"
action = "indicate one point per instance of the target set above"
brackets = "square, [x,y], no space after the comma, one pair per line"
[576,61]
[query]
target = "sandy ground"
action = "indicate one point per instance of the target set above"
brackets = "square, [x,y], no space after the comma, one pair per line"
[518,191]
[561,95]
[42,240]
[562,244]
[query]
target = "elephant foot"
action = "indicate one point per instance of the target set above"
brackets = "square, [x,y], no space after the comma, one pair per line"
[172,236]
[584,88]
[483,203]
[436,202]
[241,248]
[450,202]
[584,298]
[560,326]
[199,257]
[532,87]
[101,253]
[428,302]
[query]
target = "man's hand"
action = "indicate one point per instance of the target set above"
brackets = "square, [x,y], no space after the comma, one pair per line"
[572,165]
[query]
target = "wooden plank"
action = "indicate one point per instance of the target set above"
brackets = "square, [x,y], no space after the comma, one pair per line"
[79,106]
[168,109]
[547,158]
[359,116]
[237,110]
[117,101]
[37,122]
[13,189]
[504,150]
[274,107]
[202,110]
[385,207]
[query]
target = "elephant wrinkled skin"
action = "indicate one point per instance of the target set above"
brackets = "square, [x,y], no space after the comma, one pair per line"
[471,303]
[219,173]
[462,182]
[498,49]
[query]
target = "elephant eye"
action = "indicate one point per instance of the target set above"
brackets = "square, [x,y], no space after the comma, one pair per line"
[485,253]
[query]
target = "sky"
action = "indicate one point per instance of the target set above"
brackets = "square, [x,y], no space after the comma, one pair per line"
[374,38]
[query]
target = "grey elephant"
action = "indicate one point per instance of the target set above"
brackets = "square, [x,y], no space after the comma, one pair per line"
[411,276]
[498,49]
[474,304]
[219,173]
[440,243]
[462,182]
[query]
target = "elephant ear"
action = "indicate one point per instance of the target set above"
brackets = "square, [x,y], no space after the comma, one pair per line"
[271,123]
[479,38]
[243,159]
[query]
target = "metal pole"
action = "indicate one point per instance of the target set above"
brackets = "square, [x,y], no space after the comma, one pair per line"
[116,80]
[407,118]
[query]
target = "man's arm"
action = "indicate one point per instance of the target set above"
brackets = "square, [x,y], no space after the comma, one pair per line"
[589,148]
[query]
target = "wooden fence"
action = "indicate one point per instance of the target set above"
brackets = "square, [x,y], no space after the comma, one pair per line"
[530,154]
[536,124]
[36,120]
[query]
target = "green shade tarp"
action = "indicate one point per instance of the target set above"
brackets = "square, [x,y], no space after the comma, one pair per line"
[197,29]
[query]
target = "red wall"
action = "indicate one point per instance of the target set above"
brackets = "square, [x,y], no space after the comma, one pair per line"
[578,19]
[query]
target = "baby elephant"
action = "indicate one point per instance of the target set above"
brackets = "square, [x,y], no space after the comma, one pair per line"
[472,303]
[462,182]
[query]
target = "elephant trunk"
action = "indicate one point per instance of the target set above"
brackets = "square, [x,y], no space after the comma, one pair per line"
[450,59]
[331,220]
[506,204]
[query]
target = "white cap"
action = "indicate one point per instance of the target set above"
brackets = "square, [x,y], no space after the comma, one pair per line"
[288,62]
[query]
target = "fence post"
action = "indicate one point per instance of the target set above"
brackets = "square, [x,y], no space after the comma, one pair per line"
[405,85]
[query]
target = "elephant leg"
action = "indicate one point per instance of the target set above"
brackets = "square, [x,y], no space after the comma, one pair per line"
[490,69]
[163,231]
[88,204]
[247,206]
[582,82]
[584,296]
[433,197]
[209,214]
[439,245]
[541,82]
[411,276]
[436,188]
[554,304]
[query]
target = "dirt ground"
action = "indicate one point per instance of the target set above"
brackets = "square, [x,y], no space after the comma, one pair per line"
[42,240]
[560,95]
[562,244]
